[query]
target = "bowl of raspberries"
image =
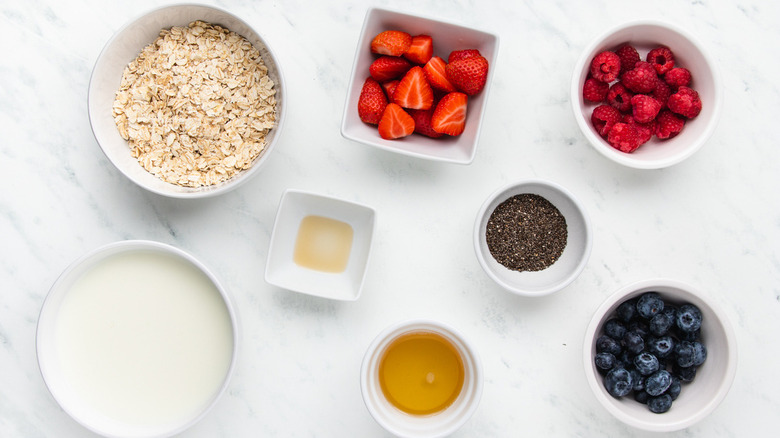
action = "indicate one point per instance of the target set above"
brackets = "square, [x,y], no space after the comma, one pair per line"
[419,86]
[659,355]
[646,94]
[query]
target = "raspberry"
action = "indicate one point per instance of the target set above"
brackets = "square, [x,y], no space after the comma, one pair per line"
[668,124]
[685,102]
[605,66]
[641,79]
[594,90]
[678,77]
[623,137]
[644,131]
[661,58]
[619,97]
[644,108]
[603,118]
[661,93]
[628,57]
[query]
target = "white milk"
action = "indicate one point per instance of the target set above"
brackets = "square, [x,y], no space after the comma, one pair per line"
[144,338]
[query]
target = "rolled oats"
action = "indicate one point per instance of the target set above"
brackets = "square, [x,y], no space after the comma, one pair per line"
[196,105]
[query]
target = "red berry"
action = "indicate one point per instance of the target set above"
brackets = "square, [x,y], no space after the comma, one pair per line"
[668,124]
[422,123]
[414,91]
[389,87]
[661,93]
[421,49]
[605,66]
[644,131]
[620,97]
[395,123]
[372,102]
[628,57]
[385,68]
[449,117]
[623,137]
[678,77]
[644,108]
[468,75]
[685,102]
[641,79]
[435,72]
[391,42]
[462,54]
[594,90]
[661,58]
[603,118]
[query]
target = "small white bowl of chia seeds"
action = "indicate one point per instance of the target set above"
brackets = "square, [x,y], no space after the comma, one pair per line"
[532,237]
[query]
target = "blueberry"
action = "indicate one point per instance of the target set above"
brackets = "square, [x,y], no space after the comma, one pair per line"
[646,363]
[674,388]
[699,353]
[661,323]
[660,404]
[605,362]
[638,379]
[649,304]
[641,397]
[671,310]
[618,382]
[614,329]
[658,382]
[633,342]
[626,310]
[661,347]
[688,318]
[606,344]
[685,374]
[640,327]
[684,354]
[689,336]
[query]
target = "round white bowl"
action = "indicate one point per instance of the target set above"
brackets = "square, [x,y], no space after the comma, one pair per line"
[66,381]
[125,46]
[689,53]
[561,273]
[405,425]
[713,378]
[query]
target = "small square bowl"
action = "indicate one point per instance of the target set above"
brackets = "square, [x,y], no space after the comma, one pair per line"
[571,262]
[282,270]
[689,53]
[446,38]
[699,397]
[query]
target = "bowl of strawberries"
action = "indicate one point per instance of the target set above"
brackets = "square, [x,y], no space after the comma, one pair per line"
[646,94]
[419,86]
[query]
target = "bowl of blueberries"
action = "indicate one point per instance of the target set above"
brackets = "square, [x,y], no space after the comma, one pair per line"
[659,355]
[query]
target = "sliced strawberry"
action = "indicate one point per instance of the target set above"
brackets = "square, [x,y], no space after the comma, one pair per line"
[386,67]
[389,87]
[421,49]
[463,54]
[449,117]
[391,42]
[422,123]
[372,101]
[413,91]
[468,75]
[395,123]
[436,74]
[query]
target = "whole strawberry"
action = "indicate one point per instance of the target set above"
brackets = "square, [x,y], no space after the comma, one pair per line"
[468,75]
[372,102]
[685,102]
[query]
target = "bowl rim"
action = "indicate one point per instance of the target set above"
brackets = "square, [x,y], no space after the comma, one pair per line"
[627,159]
[600,314]
[204,191]
[119,247]
[566,280]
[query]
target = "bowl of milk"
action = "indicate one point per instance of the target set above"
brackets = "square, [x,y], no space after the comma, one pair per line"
[136,339]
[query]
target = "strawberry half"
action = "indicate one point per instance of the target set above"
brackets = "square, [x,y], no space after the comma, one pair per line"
[395,123]
[422,123]
[449,117]
[391,42]
[386,67]
[413,91]
[421,49]
[437,76]
[372,102]
[468,74]
[389,87]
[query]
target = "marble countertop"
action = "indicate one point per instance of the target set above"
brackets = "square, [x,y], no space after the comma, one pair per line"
[712,221]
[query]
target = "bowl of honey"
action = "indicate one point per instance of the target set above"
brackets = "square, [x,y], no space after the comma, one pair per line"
[320,245]
[421,378]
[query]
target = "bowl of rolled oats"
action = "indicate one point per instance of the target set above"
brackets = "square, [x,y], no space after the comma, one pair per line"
[187,101]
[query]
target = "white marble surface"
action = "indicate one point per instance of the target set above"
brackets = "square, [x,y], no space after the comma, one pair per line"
[713,220]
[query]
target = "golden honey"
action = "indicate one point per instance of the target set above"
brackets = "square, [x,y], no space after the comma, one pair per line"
[323,244]
[421,373]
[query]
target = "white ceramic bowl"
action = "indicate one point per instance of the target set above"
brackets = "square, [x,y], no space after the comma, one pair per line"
[689,53]
[282,270]
[125,46]
[137,339]
[446,38]
[571,262]
[405,425]
[713,378]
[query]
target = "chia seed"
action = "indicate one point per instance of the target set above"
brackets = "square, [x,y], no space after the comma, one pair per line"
[526,233]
